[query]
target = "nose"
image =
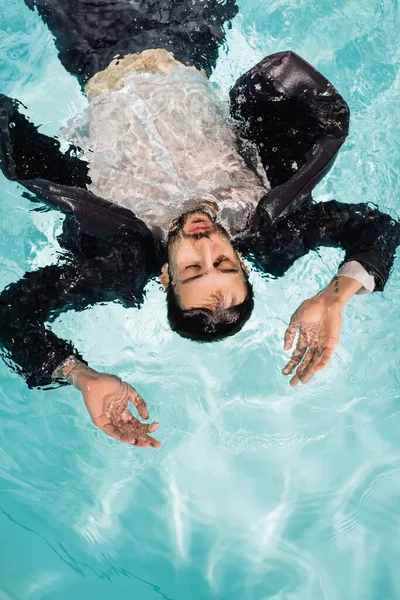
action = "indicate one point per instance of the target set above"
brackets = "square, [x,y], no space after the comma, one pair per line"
[207,248]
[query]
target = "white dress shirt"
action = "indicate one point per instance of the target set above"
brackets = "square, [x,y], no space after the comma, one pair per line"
[161,142]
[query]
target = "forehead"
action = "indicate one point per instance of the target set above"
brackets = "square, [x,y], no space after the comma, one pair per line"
[203,292]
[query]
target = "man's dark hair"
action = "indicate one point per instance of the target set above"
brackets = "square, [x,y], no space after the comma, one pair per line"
[205,324]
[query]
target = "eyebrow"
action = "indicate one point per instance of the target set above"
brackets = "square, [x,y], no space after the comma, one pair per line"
[190,279]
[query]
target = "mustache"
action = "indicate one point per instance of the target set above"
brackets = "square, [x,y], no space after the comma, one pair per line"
[178,224]
[178,233]
[199,235]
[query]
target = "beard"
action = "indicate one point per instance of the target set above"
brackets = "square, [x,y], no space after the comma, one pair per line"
[176,232]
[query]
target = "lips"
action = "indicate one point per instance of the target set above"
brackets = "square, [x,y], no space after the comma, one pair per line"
[198,227]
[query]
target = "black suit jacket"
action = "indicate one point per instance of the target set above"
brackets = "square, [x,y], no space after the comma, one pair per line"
[298,122]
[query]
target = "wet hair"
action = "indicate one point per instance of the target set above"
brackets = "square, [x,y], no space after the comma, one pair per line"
[205,324]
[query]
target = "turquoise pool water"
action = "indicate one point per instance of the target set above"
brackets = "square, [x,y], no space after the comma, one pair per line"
[260,492]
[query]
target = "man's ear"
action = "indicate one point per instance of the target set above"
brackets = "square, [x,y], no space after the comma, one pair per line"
[244,267]
[164,277]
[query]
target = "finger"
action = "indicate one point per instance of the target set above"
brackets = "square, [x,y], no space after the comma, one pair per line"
[306,378]
[139,440]
[319,362]
[118,434]
[149,440]
[297,355]
[306,374]
[142,444]
[140,404]
[303,368]
[135,427]
[295,380]
[325,357]
[307,362]
[139,432]
[290,334]
[128,438]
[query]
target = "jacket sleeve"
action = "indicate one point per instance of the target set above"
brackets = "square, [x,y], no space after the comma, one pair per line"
[27,154]
[364,233]
[297,120]
[25,306]
[40,296]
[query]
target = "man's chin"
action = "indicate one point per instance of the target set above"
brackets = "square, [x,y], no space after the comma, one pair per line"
[194,224]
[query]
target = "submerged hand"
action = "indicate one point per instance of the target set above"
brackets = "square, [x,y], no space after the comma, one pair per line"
[107,400]
[318,322]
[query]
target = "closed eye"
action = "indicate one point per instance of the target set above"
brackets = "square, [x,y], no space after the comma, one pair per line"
[192,267]
[220,259]
[225,259]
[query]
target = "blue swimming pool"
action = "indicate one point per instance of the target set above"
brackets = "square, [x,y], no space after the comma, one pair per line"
[260,491]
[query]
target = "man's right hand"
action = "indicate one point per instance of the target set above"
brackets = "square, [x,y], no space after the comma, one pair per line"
[107,400]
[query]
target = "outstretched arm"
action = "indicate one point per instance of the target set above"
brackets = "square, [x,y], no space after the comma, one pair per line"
[42,357]
[370,239]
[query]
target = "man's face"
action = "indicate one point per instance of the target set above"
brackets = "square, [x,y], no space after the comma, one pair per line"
[203,265]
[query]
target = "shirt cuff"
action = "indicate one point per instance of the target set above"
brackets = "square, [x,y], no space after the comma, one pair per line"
[355,270]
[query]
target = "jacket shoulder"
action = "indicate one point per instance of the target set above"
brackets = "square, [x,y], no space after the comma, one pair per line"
[297,120]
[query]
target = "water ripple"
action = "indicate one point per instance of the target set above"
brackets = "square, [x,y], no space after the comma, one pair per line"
[259,491]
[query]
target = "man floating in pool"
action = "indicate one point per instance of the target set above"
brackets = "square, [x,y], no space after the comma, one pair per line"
[157,182]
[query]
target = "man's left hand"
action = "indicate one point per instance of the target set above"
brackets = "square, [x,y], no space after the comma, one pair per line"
[318,321]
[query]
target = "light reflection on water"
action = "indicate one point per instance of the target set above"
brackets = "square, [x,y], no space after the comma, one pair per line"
[259,491]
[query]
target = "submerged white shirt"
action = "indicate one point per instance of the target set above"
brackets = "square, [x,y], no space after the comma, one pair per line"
[162,143]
